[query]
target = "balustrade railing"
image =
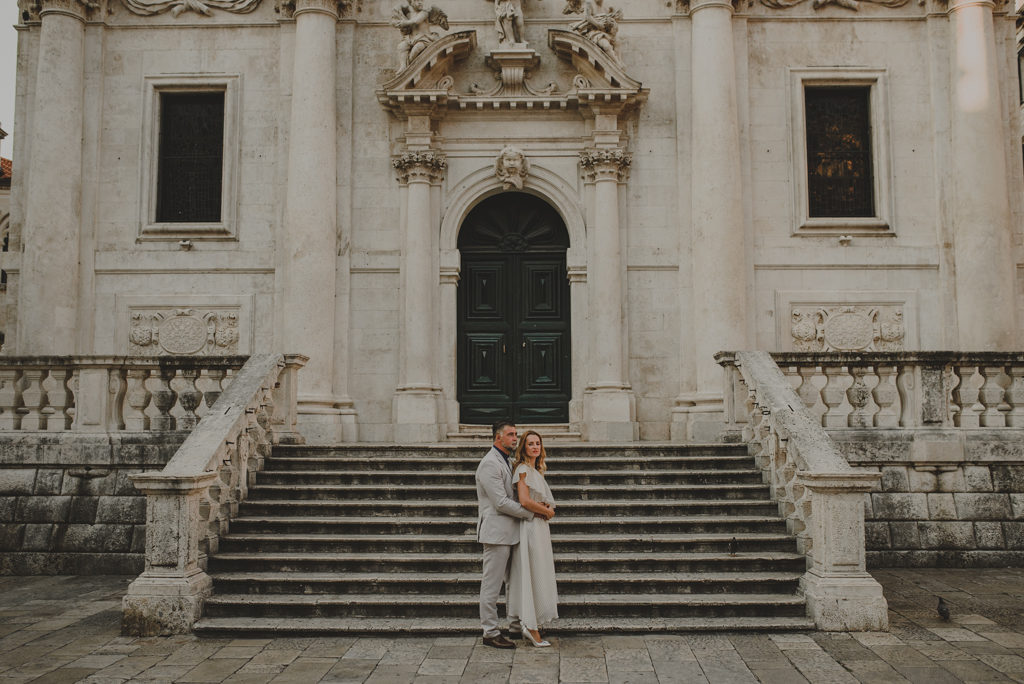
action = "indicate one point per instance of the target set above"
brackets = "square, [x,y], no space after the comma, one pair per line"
[820,495]
[191,501]
[908,389]
[110,393]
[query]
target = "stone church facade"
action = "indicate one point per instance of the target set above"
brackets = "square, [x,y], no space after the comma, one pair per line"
[553,210]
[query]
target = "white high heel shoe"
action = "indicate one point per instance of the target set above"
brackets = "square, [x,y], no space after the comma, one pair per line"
[536,644]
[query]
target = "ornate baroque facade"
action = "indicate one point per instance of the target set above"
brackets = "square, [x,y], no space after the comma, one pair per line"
[331,178]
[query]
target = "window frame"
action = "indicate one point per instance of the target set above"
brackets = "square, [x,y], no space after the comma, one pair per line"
[875,80]
[154,86]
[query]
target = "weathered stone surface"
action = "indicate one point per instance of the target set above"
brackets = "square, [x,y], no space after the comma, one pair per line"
[1008,478]
[989,535]
[979,506]
[7,506]
[61,563]
[11,536]
[39,537]
[41,509]
[951,480]
[978,478]
[922,480]
[895,479]
[83,509]
[947,535]
[905,535]
[1016,502]
[17,480]
[48,482]
[876,535]
[100,482]
[1014,534]
[121,509]
[139,539]
[941,507]
[893,506]
[95,538]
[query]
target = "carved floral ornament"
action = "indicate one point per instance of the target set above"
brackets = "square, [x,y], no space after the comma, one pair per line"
[426,166]
[206,7]
[182,332]
[848,328]
[30,9]
[604,164]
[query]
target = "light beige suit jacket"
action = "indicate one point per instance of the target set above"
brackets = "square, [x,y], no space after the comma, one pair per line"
[499,512]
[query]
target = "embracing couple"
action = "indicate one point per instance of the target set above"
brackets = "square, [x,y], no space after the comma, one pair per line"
[515,507]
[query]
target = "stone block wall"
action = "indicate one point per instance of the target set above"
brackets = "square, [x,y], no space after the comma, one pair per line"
[945,499]
[67,505]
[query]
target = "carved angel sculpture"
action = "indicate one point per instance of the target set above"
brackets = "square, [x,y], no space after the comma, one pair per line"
[414,22]
[511,167]
[599,26]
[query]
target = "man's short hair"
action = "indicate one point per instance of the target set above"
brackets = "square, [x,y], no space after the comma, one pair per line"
[499,426]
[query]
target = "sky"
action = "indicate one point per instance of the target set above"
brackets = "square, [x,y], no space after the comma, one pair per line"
[8,60]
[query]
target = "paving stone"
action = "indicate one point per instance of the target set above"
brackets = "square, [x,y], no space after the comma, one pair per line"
[304,670]
[443,666]
[481,673]
[582,670]
[928,675]
[679,673]
[629,660]
[778,675]
[1007,639]
[874,672]
[956,634]
[64,675]
[632,678]
[819,667]
[350,671]
[940,650]
[213,670]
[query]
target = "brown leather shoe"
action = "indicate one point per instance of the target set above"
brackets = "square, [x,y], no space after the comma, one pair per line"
[498,642]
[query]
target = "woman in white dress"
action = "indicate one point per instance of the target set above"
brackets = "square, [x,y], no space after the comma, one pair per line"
[532,593]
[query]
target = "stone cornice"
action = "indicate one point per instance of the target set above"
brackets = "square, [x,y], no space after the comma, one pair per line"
[426,166]
[605,164]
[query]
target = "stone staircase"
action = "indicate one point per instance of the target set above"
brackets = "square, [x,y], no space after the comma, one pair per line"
[370,540]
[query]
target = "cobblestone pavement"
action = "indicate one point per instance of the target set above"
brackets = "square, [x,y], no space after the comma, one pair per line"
[65,629]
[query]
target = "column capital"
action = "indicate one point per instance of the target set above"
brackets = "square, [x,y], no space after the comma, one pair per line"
[72,8]
[953,6]
[605,164]
[426,166]
[332,8]
[697,5]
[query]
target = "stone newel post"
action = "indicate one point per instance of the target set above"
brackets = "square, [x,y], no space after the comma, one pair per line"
[718,232]
[985,274]
[49,276]
[310,216]
[610,408]
[415,406]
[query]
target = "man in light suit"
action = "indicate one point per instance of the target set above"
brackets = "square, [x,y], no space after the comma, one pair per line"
[497,527]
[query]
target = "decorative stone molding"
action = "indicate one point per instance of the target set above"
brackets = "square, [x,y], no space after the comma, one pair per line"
[421,167]
[605,164]
[34,9]
[511,167]
[848,328]
[183,332]
[178,7]
[426,81]
[288,8]
[818,4]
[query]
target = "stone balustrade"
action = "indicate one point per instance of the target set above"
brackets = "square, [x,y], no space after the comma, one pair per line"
[909,389]
[110,393]
[190,502]
[820,495]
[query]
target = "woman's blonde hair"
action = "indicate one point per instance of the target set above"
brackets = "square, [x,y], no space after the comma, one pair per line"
[521,452]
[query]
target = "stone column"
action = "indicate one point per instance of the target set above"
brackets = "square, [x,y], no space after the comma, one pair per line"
[609,406]
[48,304]
[310,217]
[717,219]
[415,406]
[980,216]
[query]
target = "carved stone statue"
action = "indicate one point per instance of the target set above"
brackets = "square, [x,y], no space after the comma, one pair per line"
[508,20]
[511,167]
[597,25]
[414,21]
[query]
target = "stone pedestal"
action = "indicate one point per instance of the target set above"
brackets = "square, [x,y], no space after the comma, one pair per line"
[513,63]
[980,214]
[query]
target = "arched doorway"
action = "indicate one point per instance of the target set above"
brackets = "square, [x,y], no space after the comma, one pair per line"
[514,347]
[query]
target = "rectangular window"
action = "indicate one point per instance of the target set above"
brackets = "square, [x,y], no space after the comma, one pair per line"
[191,157]
[840,179]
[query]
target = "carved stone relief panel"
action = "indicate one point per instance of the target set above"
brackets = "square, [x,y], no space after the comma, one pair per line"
[162,326]
[177,7]
[846,321]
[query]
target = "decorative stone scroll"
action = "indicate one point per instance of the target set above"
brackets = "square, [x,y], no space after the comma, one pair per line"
[605,164]
[183,332]
[427,166]
[818,4]
[178,7]
[848,328]
[511,167]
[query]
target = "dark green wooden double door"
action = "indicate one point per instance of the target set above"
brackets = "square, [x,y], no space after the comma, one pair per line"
[513,307]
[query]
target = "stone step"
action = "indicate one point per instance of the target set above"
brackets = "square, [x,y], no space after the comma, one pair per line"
[467,605]
[615,507]
[433,626]
[467,543]
[468,492]
[389,563]
[470,462]
[401,478]
[731,524]
[466,583]
[579,452]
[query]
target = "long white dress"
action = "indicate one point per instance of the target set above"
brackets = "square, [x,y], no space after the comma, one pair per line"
[532,594]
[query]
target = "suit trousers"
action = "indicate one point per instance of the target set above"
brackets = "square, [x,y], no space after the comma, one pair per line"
[497,558]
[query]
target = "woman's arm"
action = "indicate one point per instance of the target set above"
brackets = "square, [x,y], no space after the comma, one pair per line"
[528,503]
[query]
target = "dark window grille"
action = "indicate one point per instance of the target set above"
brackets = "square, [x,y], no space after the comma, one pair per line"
[840,178]
[191,157]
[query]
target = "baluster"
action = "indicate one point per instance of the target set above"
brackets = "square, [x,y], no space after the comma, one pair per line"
[164,398]
[858,395]
[990,395]
[807,391]
[965,397]
[215,379]
[136,400]
[907,386]
[10,399]
[833,394]
[1015,396]
[885,395]
[59,398]
[190,397]
[34,399]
